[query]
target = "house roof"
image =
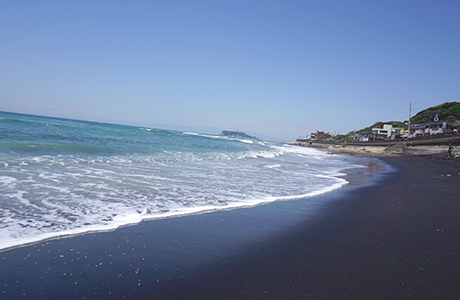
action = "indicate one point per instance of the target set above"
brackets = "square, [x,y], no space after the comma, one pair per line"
[421,125]
[441,123]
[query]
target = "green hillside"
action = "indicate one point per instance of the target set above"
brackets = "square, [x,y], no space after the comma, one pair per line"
[449,111]
[380,125]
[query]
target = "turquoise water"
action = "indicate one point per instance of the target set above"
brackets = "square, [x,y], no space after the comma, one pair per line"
[61,177]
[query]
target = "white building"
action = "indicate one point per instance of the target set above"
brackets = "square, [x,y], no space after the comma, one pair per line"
[387,131]
[430,128]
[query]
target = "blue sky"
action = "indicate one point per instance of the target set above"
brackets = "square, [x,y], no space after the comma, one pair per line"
[274,69]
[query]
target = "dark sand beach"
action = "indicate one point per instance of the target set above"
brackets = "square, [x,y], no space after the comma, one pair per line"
[396,239]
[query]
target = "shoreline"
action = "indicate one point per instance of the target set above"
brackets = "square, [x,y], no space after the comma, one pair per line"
[220,234]
[336,248]
[202,210]
[137,219]
[394,240]
[371,150]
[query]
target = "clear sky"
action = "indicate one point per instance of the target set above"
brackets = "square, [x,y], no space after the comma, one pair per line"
[274,69]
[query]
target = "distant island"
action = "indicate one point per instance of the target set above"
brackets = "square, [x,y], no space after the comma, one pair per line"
[237,134]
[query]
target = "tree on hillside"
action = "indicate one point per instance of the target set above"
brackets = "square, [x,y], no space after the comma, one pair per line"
[449,111]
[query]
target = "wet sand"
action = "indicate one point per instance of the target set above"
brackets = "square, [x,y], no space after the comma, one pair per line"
[396,239]
[399,239]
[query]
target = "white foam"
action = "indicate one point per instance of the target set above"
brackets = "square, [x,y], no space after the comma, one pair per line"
[11,238]
[7,180]
[204,135]
[273,166]
[49,201]
[245,141]
[221,137]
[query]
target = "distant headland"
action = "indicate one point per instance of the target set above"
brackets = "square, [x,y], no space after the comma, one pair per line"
[431,131]
[237,134]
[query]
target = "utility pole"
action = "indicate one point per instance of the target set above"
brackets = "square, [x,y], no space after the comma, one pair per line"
[408,127]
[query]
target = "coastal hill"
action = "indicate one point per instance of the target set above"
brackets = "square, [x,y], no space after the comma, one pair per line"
[237,134]
[449,111]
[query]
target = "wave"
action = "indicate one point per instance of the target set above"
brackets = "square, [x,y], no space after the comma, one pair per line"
[72,179]
[123,217]
[37,147]
[222,137]
[36,158]
[212,136]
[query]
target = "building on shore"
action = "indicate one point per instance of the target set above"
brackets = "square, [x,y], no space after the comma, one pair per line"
[318,135]
[387,131]
[425,129]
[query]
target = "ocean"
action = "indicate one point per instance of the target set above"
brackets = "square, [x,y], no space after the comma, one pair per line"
[63,177]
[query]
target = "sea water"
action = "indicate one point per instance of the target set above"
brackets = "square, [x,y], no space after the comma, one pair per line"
[63,177]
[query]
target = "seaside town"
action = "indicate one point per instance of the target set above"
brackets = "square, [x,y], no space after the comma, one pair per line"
[432,130]
[389,132]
